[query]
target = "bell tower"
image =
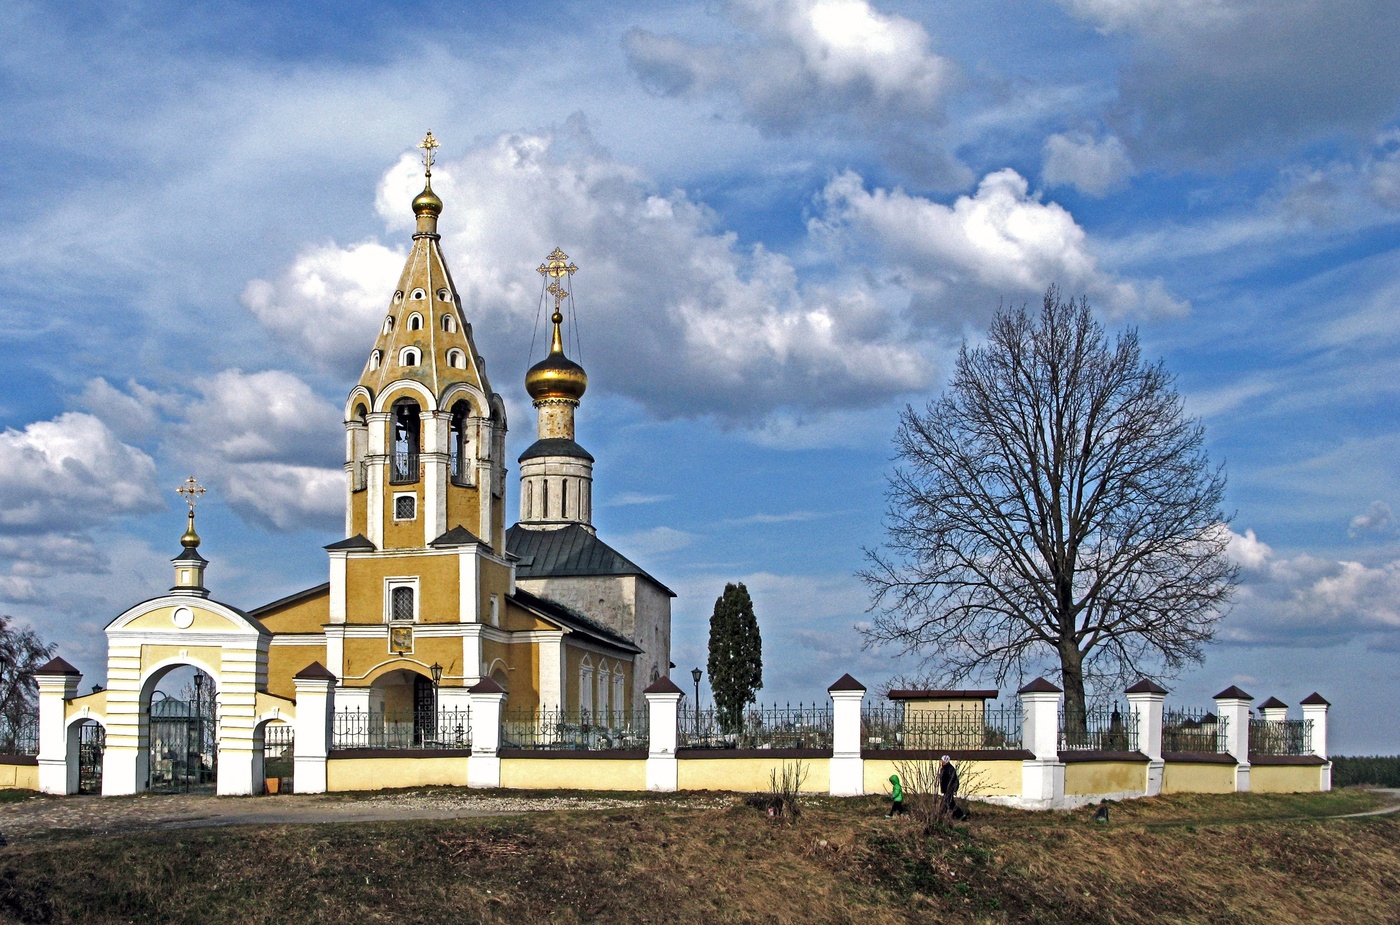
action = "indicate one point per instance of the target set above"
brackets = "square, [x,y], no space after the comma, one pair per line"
[556,474]
[424,433]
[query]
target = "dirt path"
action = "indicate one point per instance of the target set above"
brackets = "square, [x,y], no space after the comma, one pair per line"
[103,815]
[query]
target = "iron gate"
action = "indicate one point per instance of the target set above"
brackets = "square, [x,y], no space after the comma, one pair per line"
[184,736]
[92,740]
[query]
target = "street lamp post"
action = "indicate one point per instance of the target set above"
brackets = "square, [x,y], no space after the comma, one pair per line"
[696,674]
[199,724]
[436,670]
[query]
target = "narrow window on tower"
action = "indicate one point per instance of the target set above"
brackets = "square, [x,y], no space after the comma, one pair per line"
[449,323]
[374,359]
[402,604]
[415,322]
[459,456]
[563,499]
[409,356]
[456,359]
[388,324]
[403,456]
[405,507]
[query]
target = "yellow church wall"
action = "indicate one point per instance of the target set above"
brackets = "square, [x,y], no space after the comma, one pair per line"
[1285,778]
[574,773]
[283,662]
[989,778]
[359,505]
[523,668]
[1084,778]
[368,659]
[748,775]
[463,508]
[1183,777]
[404,534]
[211,656]
[438,584]
[161,619]
[307,615]
[518,619]
[493,579]
[26,777]
[347,774]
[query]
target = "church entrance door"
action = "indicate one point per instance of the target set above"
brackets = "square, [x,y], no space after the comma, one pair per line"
[184,736]
[424,711]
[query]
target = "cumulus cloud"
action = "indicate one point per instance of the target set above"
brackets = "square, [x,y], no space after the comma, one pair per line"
[1092,166]
[1376,520]
[674,311]
[803,63]
[1288,600]
[999,241]
[1211,78]
[655,541]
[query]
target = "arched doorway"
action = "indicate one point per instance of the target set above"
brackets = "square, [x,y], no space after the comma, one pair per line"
[183,738]
[92,741]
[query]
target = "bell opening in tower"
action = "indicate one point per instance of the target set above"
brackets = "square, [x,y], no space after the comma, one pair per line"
[403,458]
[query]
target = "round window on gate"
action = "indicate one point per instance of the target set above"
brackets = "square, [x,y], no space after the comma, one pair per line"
[183,617]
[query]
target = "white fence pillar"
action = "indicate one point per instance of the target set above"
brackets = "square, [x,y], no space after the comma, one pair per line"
[58,759]
[1145,701]
[663,708]
[1232,704]
[315,696]
[847,765]
[1273,710]
[484,765]
[1315,712]
[1042,776]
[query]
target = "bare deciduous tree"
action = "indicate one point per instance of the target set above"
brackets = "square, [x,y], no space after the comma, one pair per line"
[1054,503]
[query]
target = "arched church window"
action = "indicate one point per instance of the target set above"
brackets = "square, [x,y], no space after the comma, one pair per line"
[604,683]
[358,446]
[456,359]
[529,500]
[398,296]
[401,604]
[585,685]
[444,295]
[418,294]
[403,455]
[618,699]
[459,455]
[415,322]
[563,499]
[409,356]
[388,324]
[375,358]
[449,323]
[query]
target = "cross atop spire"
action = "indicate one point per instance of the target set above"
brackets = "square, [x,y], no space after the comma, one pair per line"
[558,266]
[190,491]
[429,144]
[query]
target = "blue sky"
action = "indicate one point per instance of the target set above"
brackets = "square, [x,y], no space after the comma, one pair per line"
[788,215]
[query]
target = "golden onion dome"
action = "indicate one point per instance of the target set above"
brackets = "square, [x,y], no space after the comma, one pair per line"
[427,202]
[556,376]
[191,539]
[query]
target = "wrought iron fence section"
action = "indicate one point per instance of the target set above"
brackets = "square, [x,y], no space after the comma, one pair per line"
[19,735]
[278,740]
[885,728]
[1280,737]
[402,729]
[403,467]
[1108,729]
[581,730]
[1194,731]
[802,726]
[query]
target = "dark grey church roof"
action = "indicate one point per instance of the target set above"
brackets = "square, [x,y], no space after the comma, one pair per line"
[555,446]
[569,551]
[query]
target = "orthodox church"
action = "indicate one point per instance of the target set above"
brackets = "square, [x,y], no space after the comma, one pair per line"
[431,590]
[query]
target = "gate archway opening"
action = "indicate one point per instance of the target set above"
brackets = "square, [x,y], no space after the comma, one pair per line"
[92,743]
[182,732]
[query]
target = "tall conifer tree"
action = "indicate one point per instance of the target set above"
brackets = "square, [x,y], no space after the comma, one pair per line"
[736,655]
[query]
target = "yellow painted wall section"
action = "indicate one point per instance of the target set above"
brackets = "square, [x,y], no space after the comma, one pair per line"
[438,586]
[1181,777]
[464,508]
[523,667]
[212,656]
[285,661]
[989,778]
[574,773]
[1285,778]
[747,775]
[161,619]
[573,664]
[494,579]
[26,777]
[344,774]
[304,616]
[1085,778]
[517,618]
[94,703]
[359,503]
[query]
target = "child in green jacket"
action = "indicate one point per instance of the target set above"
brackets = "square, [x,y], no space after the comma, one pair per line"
[896,797]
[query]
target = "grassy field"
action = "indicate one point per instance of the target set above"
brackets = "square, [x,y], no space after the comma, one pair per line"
[1235,859]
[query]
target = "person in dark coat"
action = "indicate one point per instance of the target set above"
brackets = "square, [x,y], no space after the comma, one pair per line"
[948,784]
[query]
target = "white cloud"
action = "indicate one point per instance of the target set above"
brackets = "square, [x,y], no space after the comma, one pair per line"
[674,311]
[1376,520]
[654,541]
[628,498]
[1303,599]
[999,241]
[1092,166]
[71,474]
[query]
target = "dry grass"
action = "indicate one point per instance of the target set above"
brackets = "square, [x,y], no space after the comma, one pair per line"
[1237,859]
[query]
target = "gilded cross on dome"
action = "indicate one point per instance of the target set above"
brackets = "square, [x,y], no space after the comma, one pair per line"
[558,266]
[428,144]
[190,491]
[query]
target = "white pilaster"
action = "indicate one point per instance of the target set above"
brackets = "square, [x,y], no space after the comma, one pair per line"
[847,765]
[663,706]
[376,475]
[484,765]
[315,696]
[1145,703]
[1232,704]
[1043,776]
[58,759]
[339,563]
[468,574]
[1315,713]
[551,650]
